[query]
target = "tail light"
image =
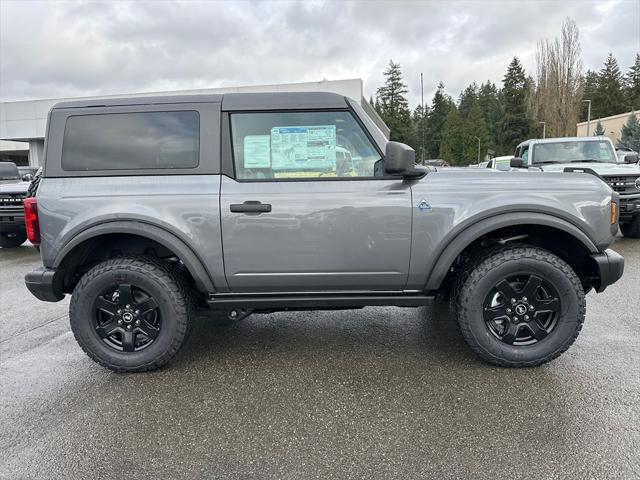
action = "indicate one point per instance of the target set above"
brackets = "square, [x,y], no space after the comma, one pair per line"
[31,219]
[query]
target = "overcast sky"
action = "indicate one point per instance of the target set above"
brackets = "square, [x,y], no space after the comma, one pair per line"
[62,49]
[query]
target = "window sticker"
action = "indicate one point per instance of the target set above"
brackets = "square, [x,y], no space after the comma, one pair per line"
[303,148]
[257,151]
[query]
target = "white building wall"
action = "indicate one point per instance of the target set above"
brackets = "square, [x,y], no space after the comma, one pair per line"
[36,153]
[27,120]
[612,126]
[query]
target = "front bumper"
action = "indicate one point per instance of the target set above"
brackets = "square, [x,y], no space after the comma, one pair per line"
[12,224]
[629,207]
[610,266]
[45,284]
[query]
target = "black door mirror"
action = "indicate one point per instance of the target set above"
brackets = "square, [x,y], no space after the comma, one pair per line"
[517,162]
[631,157]
[399,158]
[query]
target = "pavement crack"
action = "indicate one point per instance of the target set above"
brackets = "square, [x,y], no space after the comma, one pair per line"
[22,332]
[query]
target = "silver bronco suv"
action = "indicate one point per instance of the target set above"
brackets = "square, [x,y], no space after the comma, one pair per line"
[253,203]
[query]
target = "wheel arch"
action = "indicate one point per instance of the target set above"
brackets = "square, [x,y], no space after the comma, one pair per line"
[543,227]
[144,231]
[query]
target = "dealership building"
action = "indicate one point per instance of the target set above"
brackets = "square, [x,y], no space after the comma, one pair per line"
[23,124]
[612,126]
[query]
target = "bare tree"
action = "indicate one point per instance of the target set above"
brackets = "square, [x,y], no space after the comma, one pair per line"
[559,82]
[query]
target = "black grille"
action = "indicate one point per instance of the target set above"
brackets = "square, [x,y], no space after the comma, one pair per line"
[623,184]
[11,200]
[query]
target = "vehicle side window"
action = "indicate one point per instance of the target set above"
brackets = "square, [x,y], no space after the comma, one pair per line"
[292,145]
[525,153]
[131,141]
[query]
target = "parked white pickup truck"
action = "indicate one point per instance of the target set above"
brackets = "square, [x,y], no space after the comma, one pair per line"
[593,155]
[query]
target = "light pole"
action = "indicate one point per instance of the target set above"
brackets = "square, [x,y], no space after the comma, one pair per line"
[588,115]
[423,117]
[478,148]
[544,129]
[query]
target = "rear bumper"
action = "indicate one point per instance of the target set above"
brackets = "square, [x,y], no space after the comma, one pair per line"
[45,284]
[610,268]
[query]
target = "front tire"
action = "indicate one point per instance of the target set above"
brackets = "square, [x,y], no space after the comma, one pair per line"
[519,306]
[631,229]
[12,239]
[130,314]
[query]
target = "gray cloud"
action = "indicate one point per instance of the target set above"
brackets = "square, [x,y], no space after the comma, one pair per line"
[57,49]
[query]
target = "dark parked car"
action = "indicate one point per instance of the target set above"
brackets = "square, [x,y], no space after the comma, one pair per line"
[12,191]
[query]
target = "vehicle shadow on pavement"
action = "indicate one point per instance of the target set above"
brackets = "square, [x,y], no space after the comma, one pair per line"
[428,333]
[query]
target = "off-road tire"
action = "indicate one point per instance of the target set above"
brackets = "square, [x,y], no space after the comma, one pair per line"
[631,229]
[12,239]
[174,303]
[483,273]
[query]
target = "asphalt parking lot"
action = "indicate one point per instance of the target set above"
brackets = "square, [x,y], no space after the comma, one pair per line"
[372,393]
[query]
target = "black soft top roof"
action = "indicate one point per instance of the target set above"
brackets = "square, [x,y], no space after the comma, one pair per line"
[229,101]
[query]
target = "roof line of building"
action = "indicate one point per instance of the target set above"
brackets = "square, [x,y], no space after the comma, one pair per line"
[191,91]
[611,117]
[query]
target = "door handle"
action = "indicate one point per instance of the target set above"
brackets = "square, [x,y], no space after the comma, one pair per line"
[250,207]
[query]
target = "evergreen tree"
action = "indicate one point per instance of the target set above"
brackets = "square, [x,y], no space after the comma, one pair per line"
[419,120]
[490,102]
[631,133]
[451,147]
[466,100]
[393,105]
[590,82]
[599,131]
[515,125]
[632,85]
[440,106]
[609,97]
[474,128]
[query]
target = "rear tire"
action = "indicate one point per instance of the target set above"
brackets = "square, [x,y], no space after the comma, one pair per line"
[12,239]
[130,314]
[519,306]
[631,229]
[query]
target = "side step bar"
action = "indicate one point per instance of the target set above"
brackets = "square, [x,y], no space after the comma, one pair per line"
[284,301]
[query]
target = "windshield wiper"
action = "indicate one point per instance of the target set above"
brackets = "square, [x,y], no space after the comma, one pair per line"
[588,160]
[545,162]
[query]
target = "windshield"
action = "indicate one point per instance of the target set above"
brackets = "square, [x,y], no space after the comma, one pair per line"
[574,151]
[9,171]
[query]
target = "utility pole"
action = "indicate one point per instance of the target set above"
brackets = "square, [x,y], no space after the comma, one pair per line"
[477,138]
[588,115]
[544,129]
[423,116]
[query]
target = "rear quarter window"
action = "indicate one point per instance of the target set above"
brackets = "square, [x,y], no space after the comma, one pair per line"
[131,141]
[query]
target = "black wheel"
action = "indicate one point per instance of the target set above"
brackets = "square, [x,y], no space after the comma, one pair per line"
[519,306]
[130,314]
[631,229]
[12,239]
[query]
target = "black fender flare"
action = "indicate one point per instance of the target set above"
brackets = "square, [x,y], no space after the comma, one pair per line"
[471,233]
[194,265]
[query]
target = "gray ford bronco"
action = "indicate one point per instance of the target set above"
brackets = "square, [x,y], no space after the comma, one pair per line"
[254,203]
